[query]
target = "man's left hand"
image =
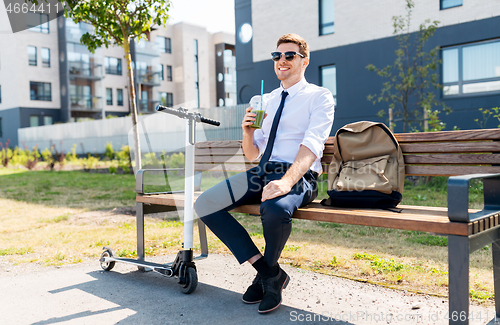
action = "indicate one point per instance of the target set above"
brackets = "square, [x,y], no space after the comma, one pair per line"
[275,188]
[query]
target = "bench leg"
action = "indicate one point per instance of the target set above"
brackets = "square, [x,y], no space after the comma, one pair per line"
[140,230]
[458,279]
[496,275]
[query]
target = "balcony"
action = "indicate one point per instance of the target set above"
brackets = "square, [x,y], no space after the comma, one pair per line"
[146,106]
[147,48]
[85,70]
[148,77]
[85,103]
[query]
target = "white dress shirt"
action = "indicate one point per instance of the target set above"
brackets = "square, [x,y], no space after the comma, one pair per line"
[306,119]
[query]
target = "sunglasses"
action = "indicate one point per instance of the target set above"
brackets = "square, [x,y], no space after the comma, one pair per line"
[289,56]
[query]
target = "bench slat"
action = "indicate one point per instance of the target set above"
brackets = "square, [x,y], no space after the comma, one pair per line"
[219,144]
[449,170]
[426,219]
[461,159]
[464,135]
[218,152]
[446,147]
[227,167]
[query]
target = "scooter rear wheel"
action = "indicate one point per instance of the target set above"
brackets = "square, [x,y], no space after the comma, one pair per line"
[191,281]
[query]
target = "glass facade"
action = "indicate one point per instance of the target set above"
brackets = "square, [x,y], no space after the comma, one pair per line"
[113,66]
[37,22]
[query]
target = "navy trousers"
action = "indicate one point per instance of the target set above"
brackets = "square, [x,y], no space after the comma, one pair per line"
[212,207]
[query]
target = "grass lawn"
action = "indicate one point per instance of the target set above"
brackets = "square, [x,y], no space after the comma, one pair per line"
[49,218]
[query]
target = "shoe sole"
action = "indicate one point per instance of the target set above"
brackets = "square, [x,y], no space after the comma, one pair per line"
[251,302]
[285,284]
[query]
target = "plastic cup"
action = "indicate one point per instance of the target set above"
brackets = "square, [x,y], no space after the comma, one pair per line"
[256,108]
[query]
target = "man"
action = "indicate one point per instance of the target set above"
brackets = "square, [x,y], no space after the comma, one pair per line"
[298,120]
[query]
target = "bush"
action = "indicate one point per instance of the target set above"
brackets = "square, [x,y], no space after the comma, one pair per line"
[110,152]
[72,156]
[5,154]
[124,160]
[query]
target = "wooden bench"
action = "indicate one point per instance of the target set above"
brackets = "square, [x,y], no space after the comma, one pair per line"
[465,155]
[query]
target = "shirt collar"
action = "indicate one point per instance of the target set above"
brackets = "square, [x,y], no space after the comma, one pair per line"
[295,88]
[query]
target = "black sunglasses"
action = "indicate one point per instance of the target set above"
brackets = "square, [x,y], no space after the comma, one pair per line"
[289,56]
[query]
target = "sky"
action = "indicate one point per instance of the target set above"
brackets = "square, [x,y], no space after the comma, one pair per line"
[215,15]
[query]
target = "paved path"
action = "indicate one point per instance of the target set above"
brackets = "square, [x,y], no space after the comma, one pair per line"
[84,294]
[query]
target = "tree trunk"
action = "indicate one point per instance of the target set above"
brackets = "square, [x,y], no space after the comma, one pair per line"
[133,108]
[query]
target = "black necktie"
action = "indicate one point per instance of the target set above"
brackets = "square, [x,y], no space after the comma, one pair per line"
[272,136]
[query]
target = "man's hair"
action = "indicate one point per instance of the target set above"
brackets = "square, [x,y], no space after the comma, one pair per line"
[295,39]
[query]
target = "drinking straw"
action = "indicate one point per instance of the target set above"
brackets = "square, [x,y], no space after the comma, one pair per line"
[261,93]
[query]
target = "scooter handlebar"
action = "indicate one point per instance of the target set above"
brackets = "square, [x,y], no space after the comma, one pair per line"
[209,121]
[183,114]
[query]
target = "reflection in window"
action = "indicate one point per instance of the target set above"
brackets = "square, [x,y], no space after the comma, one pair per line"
[326,15]
[445,4]
[45,57]
[109,96]
[37,22]
[471,68]
[34,120]
[119,97]
[40,91]
[32,55]
[113,66]
[329,79]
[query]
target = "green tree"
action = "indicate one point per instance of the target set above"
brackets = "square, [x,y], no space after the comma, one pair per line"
[412,77]
[118,22]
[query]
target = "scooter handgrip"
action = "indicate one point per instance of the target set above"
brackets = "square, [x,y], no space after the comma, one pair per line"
[209,121]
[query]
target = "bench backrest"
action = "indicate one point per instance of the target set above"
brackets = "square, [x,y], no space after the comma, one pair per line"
[445,153]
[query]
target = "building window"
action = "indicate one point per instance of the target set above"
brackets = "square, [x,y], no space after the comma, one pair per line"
[169,73]
[168,45]
[113,66]
[326,15]
[34,120]
[109,96]
[328,75]
[164,44]
[47,120]
[119,97]
[40,91]
[445,4]
[32,55]
[167,99]
[37,22]
[196,77]
[471,69]
[161,72]
[45,57]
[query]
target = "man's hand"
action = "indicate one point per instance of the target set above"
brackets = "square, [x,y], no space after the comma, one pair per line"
[248,120]
[276,188]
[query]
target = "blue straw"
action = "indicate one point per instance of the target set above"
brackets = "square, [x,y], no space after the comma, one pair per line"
[261,93]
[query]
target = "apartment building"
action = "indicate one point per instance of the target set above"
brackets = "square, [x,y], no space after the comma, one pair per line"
[345,36]
[47,76]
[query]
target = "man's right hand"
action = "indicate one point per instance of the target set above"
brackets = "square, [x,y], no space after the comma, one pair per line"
[248,120]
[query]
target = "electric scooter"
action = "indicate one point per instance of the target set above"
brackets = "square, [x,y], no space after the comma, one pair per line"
[183,266]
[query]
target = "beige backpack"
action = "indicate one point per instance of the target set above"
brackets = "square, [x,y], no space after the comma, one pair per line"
[367,170]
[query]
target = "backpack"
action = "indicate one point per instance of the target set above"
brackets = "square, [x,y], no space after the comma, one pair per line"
[367,170]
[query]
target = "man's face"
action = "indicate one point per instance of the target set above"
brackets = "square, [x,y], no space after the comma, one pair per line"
[290,72]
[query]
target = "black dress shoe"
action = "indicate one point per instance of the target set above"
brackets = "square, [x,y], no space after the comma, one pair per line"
[272,291]
[254,292]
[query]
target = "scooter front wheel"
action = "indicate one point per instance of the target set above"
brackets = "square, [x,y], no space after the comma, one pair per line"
[107,266]
[191,281]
